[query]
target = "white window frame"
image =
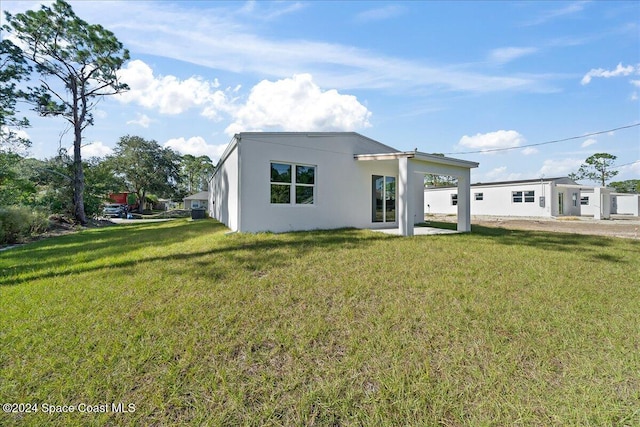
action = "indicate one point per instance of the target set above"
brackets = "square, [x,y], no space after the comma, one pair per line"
[294,184]
[522,196]
[529,196]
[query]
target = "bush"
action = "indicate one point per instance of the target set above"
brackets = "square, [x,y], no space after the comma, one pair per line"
[18,222]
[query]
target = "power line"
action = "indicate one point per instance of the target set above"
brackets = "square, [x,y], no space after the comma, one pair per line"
[626,164]
[492,150]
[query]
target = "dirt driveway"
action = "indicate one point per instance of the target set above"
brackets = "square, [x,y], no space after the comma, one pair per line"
[617,226]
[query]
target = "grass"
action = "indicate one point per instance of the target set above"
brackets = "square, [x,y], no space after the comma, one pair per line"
[349,327]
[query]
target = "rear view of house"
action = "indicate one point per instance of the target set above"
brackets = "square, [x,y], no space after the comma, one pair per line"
[285,181]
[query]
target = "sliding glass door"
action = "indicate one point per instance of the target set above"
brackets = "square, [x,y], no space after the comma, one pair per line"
[383,196]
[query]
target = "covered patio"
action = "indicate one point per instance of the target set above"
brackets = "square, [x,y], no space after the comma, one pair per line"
[412,167]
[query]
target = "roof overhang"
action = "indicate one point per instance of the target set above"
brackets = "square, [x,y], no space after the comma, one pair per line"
[424,157]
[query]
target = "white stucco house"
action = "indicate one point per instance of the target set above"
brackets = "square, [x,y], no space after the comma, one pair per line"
[285,181]
[198,200]
[545,197]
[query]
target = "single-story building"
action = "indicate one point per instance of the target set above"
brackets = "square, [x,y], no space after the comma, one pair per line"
[198,200]
[544,197]
[285,181]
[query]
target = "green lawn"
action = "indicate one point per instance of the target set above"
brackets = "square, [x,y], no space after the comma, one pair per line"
[196,327]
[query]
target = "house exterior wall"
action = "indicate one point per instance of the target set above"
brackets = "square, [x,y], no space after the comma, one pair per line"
[342,193]
[626,204]
[224,188]
[570,202]
[588,204]
[494,200]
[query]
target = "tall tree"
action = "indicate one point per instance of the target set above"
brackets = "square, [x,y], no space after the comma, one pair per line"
[77,63]
[13,69]
[598,167]
[196,172]
[145,167]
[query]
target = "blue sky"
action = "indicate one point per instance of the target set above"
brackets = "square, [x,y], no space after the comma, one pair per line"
[443,77]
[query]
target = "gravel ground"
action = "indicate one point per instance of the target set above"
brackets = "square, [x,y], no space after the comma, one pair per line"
[617,226]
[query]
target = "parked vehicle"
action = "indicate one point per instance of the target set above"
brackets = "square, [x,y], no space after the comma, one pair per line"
[113,210]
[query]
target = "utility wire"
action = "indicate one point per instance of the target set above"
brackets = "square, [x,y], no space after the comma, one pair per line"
[626,164]
[492,150]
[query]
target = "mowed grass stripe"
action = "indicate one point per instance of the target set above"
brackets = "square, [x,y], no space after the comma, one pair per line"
[343,327]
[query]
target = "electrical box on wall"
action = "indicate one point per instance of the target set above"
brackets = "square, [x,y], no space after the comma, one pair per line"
[542,201]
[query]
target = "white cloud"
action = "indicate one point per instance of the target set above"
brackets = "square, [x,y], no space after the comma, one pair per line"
[553,14]
[196,146]
[558,168]
[636,83]
[527,151]
[634,96]
[167,94]
[224,37]
[380,13]
[298,104]
[600,72]
[492,141]
[142,120]
[508,54]
[631,171]
[588,142]
[95,149]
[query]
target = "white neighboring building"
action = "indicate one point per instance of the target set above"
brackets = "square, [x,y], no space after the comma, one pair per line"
[285,181]
[625,204]
[546,197]
[197,201]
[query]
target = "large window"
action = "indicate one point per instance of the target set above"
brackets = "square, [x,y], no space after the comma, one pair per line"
[292,184]
[383,189]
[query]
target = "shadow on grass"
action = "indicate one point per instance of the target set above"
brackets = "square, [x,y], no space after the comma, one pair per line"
[82,252]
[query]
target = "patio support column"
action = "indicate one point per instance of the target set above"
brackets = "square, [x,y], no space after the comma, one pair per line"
[597,198]
[464,201]
[406,202]
[606,203]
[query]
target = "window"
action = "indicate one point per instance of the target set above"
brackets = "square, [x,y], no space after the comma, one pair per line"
[584,201]
[479,196]
[574,199]
[523,196]
[454,199]
[516,196]
[292,184]
[529,196]
[383,195]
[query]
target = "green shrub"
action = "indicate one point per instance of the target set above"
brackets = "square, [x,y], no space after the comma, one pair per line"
[18,222]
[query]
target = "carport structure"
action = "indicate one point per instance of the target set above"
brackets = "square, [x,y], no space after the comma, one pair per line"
[412,167]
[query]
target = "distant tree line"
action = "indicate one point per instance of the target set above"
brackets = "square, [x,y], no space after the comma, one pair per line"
[137,165]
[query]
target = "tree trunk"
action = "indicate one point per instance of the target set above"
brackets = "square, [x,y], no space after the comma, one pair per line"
[78,179]
[141,205]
